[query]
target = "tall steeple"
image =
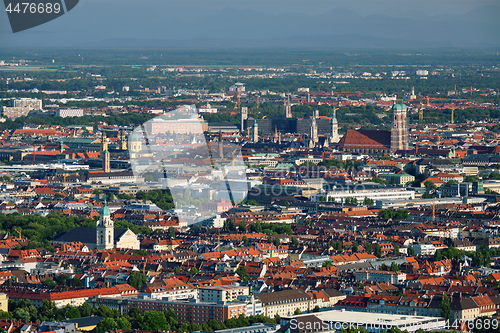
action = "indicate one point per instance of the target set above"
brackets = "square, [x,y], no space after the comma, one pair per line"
[255,131]
[334,135]
[221,145]
[106,161]
[313,137]
[104,142]
[288,108]
[105,153]
[244,117]
[123,141]
[105,233]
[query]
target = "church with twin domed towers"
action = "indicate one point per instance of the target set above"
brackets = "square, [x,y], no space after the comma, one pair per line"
[379,141]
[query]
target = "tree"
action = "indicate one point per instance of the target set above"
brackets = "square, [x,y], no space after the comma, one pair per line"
[85,310]
[176,269]
[72,312]
[378,250]
[245,239]
[379,180]
[154,321]
[229,225]
[106,325]
[22,315]
[295,242]
[429,185]
[243,273]
[49,283]
[277,241]
[141,253]
[297,311]
[243,226]
[445,308]
[394,267]
[351,201]
[411,251]
[368,248]
[193,271]
[438,256]
[111,196]
[368,202]
[316,308]
[396,250]
[354,247]
[76,282]
[137,279]
[171,232]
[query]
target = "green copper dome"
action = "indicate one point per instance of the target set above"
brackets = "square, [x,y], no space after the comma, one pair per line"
[105,210]
[399,107]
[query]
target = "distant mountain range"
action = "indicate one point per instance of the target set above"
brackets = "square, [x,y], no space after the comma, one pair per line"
[229,27]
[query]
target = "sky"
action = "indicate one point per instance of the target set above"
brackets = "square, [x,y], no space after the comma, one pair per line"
[266,23]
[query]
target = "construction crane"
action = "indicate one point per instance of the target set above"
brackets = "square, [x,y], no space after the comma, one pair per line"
[218,243]
[66,175]
[144,267]
[305,61]
[434,210]
[18,232]
[238,103]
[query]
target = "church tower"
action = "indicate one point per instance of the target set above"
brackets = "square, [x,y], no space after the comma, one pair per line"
[399,131]
[221,145]
[244,117]
[135,145]
[313,137]
[255,131]
[123,141]
[104,144]
[105,233]
[288,108]
[106,161]
[334,136]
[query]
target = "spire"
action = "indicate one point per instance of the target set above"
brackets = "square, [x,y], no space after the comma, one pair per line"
[105,209]
[255,131]
[334,116]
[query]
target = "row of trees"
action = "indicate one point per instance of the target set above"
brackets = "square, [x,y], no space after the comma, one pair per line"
[481,257]
[399,214]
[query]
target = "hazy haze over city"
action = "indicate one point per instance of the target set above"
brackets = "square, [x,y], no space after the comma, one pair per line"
[271,23]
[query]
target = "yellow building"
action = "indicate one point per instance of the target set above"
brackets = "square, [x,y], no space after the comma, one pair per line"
[4,302]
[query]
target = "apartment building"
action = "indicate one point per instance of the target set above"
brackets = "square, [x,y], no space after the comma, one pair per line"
[193,310]
[284,303]
[222,293]
[380,276]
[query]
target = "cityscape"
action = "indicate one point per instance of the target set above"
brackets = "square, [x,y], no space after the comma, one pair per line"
[259,189]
